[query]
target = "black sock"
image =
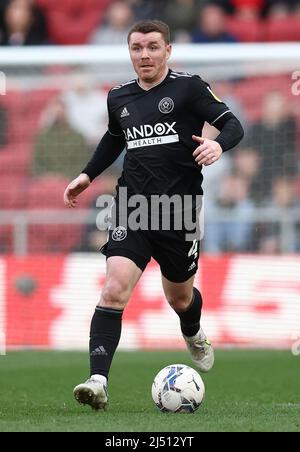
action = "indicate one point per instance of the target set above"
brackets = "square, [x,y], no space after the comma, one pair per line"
[104,339]
[190,319]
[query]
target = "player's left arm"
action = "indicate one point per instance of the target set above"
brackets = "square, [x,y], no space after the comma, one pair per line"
[209,151]
[211,109]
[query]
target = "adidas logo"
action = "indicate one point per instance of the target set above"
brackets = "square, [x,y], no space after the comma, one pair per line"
[192,267]
[125,113]
[99,351]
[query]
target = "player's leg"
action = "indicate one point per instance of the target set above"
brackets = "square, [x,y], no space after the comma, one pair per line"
[178,260]
[122,276]
[186,300]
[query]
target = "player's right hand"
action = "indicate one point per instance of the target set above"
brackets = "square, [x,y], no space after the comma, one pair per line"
[74,189]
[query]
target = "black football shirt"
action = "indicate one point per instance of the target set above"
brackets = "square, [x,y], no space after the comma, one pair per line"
[158,125]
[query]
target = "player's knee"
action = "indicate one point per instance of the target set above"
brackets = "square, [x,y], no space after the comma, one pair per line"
[179,301]
[115,295]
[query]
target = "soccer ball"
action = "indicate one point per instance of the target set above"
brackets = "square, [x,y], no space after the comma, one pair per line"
[178,389]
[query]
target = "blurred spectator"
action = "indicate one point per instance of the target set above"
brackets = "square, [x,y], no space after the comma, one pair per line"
[252,9]
[119,19]
[284,193]
[73,21]
[281,8]
[248,9]
[247,164]
[181,16]
[230,236]
[216,172]
[284,197]
[3,126]
[147,9]
[244,9]
[59,149]
[212,26]
[274,137]
[86,110]
[23,24]
[3,4]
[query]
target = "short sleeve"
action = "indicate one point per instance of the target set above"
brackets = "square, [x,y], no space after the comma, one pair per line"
[205,103]
[114,127]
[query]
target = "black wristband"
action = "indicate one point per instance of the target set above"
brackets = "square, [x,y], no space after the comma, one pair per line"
[231,134]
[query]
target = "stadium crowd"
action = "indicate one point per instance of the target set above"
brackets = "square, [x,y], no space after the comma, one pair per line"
[39,22]
[47,137]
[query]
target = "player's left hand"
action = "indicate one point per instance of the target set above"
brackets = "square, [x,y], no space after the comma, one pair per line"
[208,151]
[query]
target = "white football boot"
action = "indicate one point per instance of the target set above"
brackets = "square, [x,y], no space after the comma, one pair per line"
[93,392]
[201,351]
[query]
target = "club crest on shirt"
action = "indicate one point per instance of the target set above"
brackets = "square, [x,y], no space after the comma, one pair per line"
[166,105]
[119,234]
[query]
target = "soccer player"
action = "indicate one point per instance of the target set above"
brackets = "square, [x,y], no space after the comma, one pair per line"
[159,118]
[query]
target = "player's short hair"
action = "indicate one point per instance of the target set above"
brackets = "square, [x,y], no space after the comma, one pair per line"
[150,26]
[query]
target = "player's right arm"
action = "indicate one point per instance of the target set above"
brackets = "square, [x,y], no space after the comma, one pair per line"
[108,150]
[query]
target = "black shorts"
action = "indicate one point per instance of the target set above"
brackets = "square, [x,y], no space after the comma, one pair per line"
[177,256]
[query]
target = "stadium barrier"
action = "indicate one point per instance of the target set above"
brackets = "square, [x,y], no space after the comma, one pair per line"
[21,221]
[250,301]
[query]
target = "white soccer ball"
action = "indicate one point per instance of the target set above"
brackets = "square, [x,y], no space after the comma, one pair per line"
[178,389]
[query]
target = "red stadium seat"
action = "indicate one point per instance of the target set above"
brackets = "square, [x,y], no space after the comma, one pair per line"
[245,30]
[251,92]
[37,100]
[89,197]
[13,102]
[23,117]
[12,196]
[15,160]
[46,4]
[46,194]
[73,7]
[73,21]
[54,238]
[34,103]
[6,239]
[286,29]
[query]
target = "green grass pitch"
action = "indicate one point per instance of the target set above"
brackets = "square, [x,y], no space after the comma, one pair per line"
[246,391]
